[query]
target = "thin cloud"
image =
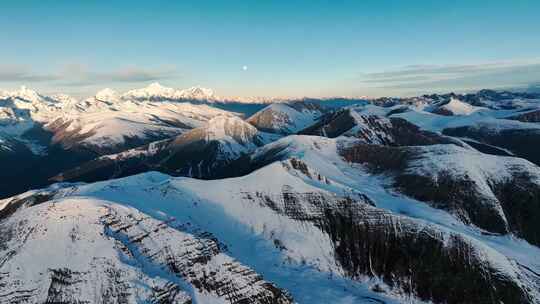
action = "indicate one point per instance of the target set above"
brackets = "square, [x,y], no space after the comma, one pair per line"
[455,77]
[16,73]
[80,75]
[430,70]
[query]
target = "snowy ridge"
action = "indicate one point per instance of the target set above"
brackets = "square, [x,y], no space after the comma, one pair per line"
[289,211]
[458,107]
[111,126]
[396,203]
[101,119]
[130,255]
[286,118]
[479,167]
[223,127]
[35,272]
[155,91]
[364,123]
[107,95]
[204,152]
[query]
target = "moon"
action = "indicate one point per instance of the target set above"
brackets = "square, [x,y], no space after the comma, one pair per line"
[244,68]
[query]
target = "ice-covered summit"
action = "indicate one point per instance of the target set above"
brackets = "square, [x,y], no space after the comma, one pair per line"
[156,91]
[26,94]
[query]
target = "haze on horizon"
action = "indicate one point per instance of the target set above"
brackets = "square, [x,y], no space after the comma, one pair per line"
[271,48]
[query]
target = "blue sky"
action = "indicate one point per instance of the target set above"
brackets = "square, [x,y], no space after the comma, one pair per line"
[290,48]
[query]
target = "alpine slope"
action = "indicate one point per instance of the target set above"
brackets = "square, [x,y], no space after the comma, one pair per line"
[159,195]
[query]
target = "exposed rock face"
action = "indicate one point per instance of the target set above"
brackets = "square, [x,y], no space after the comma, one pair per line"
[87,271]
[473,186]
[369,207]
[483,98]
[198,260]
[72,135]
[529,116]
[403,255]
[374,129]
[332,124]
[521,142]
[226,138]
[420,260]
[442,111]
[110,252]
[520,200]
[141,159]
[205,152]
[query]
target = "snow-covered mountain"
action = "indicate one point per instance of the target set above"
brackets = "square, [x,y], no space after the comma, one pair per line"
[308,219]
[117,254]
[498,100]
[432,199]
[155,91]
[374,125]
[61,132]
[454,106]
[211,151]
[286,118]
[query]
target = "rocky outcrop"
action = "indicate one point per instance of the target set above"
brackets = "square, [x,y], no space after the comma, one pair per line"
[522,142]
[374,129]
[528,116]
[114,254]
[87,270]
[197,259]
[476,188]
[332,124]
[409,257]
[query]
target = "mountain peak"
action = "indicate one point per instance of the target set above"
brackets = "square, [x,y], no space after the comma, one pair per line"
[458,107]
[223,126]
[198,92]
[107,94]
[156,88]
[26,94]
[152,91]
[156,91]
[64,98]
[155,85]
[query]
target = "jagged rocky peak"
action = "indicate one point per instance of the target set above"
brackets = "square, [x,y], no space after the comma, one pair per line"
[346,238]
[23,93]
[26,93]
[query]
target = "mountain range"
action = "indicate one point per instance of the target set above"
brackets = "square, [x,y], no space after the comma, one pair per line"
[159,195]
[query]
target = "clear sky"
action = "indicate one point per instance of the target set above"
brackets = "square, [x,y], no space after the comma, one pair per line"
[271,48]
